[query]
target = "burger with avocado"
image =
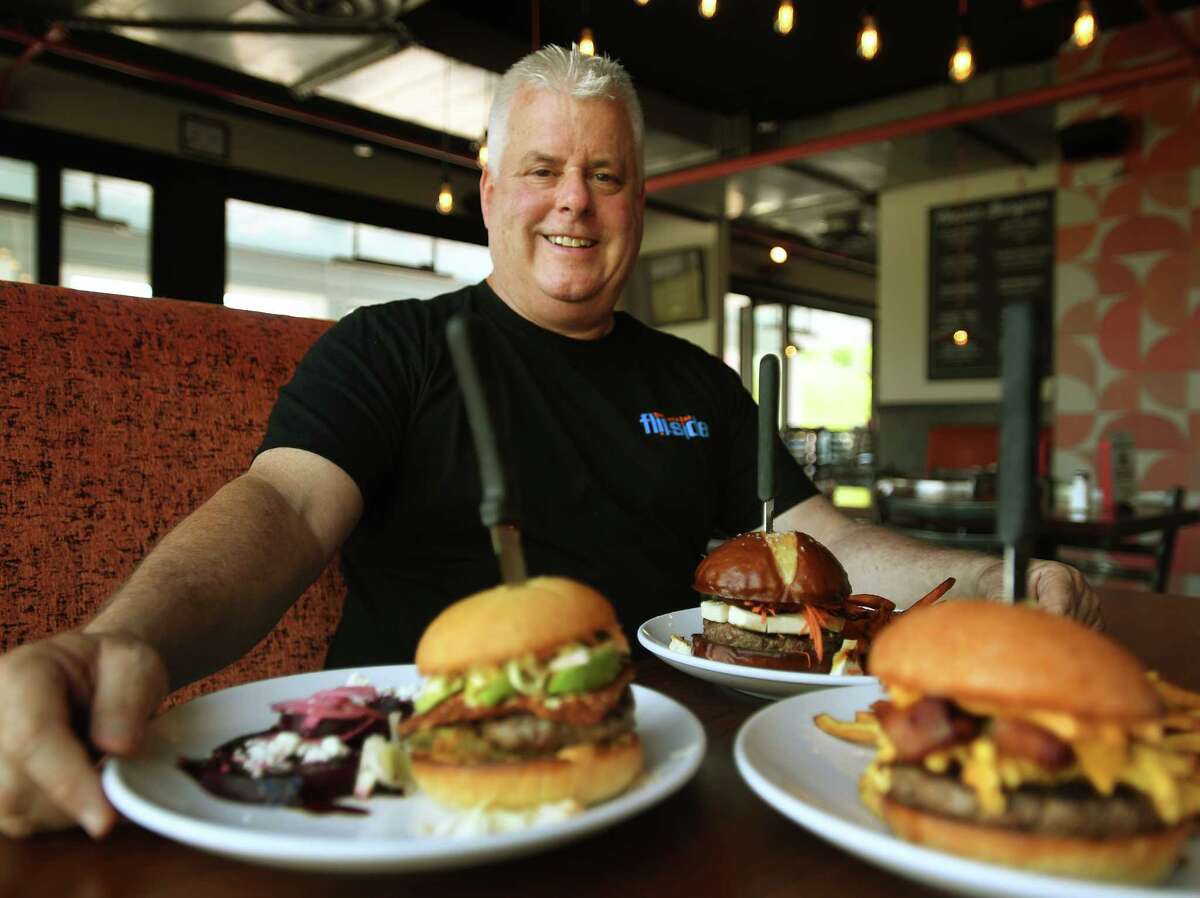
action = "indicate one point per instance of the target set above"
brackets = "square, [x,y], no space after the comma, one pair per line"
[1018,737]
[526,699]
[775,600]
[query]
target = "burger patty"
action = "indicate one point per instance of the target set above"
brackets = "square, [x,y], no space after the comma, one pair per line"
[526,734]
[783,643]
[1068,810]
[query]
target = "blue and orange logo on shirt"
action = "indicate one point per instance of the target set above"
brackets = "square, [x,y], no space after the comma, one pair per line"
[687,426]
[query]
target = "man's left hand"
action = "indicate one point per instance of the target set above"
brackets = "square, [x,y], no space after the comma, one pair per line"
[1056,587]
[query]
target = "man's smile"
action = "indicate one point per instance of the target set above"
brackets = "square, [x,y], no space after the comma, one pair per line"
[572,242]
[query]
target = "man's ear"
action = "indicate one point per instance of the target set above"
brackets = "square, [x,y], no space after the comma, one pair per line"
[486,186]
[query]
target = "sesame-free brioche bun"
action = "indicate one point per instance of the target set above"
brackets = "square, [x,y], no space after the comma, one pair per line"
[1142,858]
[1010,656]
[585,773]
[506,622]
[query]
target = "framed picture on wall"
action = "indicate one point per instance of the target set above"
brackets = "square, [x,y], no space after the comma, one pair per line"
[668,288]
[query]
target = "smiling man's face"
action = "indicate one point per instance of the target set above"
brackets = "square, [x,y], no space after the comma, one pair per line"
[564,216]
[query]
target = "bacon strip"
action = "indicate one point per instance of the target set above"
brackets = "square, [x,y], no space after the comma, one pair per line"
[923,727]
[585,709]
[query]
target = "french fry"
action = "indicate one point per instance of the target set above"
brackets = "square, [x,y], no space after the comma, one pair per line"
[1174,696]
[1182,742]
[860,732]
[1182,720]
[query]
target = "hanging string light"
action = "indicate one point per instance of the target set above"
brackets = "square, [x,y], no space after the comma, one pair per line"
[641,2]
[708,8]
[962,63]
[778,254]
[445,200]
[1085,25]
[587,43]
[868,38]
[785,17]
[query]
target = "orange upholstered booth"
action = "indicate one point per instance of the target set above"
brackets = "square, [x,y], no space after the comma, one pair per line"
[118,416]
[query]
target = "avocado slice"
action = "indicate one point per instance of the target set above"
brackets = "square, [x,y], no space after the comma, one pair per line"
[599,670]
[435,691]
[488,688]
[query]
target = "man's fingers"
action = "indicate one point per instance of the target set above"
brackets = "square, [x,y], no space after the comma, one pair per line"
[131,681]
[42,745]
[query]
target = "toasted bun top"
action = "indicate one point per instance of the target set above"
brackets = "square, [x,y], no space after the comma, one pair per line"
[786,567]
[1012,657]
[508,621]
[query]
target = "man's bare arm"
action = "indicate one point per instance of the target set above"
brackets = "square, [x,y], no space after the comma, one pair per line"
[903,569]
[205,595]
[225,575]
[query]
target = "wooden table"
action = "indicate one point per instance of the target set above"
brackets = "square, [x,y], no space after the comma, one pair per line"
[687,846]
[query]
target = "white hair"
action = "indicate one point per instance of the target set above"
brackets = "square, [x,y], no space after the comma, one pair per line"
[572,74]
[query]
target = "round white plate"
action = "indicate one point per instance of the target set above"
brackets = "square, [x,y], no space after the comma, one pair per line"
[151,790]
[812,778]
[655,635]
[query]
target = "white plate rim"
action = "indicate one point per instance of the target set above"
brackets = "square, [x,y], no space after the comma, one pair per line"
[356,854]
[913,862]
[738,671]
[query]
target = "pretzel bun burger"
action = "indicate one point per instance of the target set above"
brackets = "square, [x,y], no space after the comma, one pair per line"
[772,600]
[526,699]
[1018,737]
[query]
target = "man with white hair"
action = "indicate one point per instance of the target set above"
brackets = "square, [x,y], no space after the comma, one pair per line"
[630,449]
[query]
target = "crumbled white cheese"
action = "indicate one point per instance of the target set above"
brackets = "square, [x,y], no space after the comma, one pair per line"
[262,755]
[357,679]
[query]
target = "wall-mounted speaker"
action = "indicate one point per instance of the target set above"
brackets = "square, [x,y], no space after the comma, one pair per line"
[1096,139]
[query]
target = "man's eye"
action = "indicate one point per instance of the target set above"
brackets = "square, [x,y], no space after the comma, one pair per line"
[541,173]
[606,177]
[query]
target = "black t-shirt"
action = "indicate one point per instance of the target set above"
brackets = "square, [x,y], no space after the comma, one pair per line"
[627,454]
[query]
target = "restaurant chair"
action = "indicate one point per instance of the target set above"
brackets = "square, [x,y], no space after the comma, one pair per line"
[1126,562]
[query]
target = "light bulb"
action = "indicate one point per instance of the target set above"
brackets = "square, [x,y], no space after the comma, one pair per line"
[778,255]
[587,43]
[961,338]
[790,350]
[642,2]
[785,17]
[962,63]
[708,8]
[445,201]
[868,38]
[1085,25]
[482,156]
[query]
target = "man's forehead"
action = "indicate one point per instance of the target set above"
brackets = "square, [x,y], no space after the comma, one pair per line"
[547,123]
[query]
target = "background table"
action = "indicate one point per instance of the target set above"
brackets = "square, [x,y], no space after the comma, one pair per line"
[714,837]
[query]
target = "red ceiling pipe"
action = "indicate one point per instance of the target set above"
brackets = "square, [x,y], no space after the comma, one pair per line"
[32,50]
[161,76]
[1176,67]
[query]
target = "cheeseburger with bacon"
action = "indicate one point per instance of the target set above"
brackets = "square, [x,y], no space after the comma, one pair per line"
[1019,737]
[774,600]
[526,699]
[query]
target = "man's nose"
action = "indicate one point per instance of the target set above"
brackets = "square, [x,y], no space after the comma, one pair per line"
[574,194]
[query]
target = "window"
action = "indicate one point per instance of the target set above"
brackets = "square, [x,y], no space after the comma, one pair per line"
[18,246]
[296,263]
[106,233]
[827,361]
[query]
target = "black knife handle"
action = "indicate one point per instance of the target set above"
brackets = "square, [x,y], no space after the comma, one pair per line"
[494,508]
[768,424]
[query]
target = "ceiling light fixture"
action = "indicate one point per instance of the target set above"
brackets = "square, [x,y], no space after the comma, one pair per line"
[641,2]
[961,338]
[482,156]
[587,43]
[364,150]
[708,8]
[962,63]
[778,255]
[785,17]
[868,38]
[445,200]
[1085,25]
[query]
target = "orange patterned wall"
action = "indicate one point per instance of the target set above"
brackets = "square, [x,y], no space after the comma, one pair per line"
[1128,278]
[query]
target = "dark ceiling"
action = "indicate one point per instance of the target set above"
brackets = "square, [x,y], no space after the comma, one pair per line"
[735,63]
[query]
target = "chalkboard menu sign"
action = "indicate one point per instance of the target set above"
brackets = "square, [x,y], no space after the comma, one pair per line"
[982,255]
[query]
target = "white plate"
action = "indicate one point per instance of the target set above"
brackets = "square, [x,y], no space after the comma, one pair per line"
[655,635]
[151,790]
[812,778]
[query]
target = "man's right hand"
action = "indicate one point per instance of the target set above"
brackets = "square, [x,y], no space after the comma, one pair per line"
[54,695]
